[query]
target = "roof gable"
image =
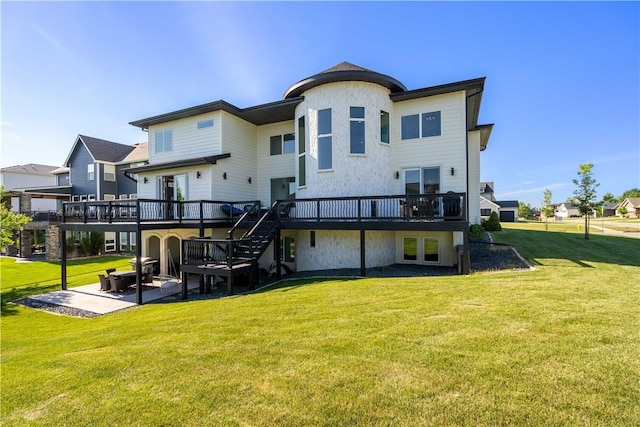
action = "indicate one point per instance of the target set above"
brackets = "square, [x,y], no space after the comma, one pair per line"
[101,150]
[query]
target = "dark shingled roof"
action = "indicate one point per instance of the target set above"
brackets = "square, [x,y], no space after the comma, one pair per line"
[344,72]
[507,203]
[106,151]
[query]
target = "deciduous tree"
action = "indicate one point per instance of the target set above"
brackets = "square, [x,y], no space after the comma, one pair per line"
[585,194]
[10,222]
[547,207]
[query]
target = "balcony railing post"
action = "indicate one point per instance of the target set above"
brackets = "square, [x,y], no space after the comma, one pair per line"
[359,199]
[318,210]
[109,211]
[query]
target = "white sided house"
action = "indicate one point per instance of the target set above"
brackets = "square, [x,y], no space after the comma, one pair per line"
[349,170]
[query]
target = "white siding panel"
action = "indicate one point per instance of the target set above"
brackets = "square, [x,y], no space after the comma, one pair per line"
[278,166]
[238,138]
[188,141]
[474,177]
[446,150]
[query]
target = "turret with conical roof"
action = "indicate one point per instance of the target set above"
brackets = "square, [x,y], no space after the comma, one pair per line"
[342,72]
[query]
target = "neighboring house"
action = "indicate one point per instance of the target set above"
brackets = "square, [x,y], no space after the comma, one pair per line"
[42,208]
[16,179]
[608,209]
[486,191]
[94,170]
[506,210]
[632,207]
[565,210]
[487,207]
[350,169]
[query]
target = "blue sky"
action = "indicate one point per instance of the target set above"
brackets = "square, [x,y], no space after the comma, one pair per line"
[562,78]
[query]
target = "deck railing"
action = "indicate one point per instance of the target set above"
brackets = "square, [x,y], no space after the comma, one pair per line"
[150,210]
[429,207]
[203,251]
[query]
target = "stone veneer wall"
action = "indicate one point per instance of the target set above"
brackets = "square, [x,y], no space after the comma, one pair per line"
[52,237]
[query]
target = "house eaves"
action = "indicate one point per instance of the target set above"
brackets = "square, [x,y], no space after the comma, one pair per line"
[263,114]
[485,133]
[473,89]
[212,160]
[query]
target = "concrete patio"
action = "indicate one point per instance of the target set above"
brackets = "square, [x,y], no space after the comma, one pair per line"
[91,299]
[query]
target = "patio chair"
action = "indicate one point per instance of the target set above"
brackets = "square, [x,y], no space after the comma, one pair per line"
[148,277]
[118,284]
[110,270]
[104,282]
[286,210]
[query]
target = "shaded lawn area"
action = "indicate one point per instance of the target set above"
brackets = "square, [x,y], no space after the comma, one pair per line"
[556,346]
[19,279]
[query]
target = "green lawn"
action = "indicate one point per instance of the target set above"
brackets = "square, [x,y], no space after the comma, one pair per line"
[18,280]
[555,346]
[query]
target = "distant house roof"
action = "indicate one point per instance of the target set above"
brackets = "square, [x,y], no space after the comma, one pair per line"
[61,169]
[102,150]
[507,203]
[567,205]
[139,153]
[633,201]
[31,169]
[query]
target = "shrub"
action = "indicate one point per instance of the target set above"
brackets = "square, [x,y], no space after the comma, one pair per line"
[477,232]
[493,223]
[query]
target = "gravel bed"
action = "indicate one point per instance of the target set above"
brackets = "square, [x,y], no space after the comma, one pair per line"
[55,308]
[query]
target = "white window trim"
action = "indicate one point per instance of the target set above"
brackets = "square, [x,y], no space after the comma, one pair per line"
[422,261]
[420,250]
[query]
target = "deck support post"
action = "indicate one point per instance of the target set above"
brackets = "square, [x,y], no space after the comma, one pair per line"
[465,252]
[185,287]
[202,279]
[63,263]
[138,265]
[362,253]
[278,253]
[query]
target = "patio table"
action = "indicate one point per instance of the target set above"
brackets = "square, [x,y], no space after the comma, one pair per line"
[129,275]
